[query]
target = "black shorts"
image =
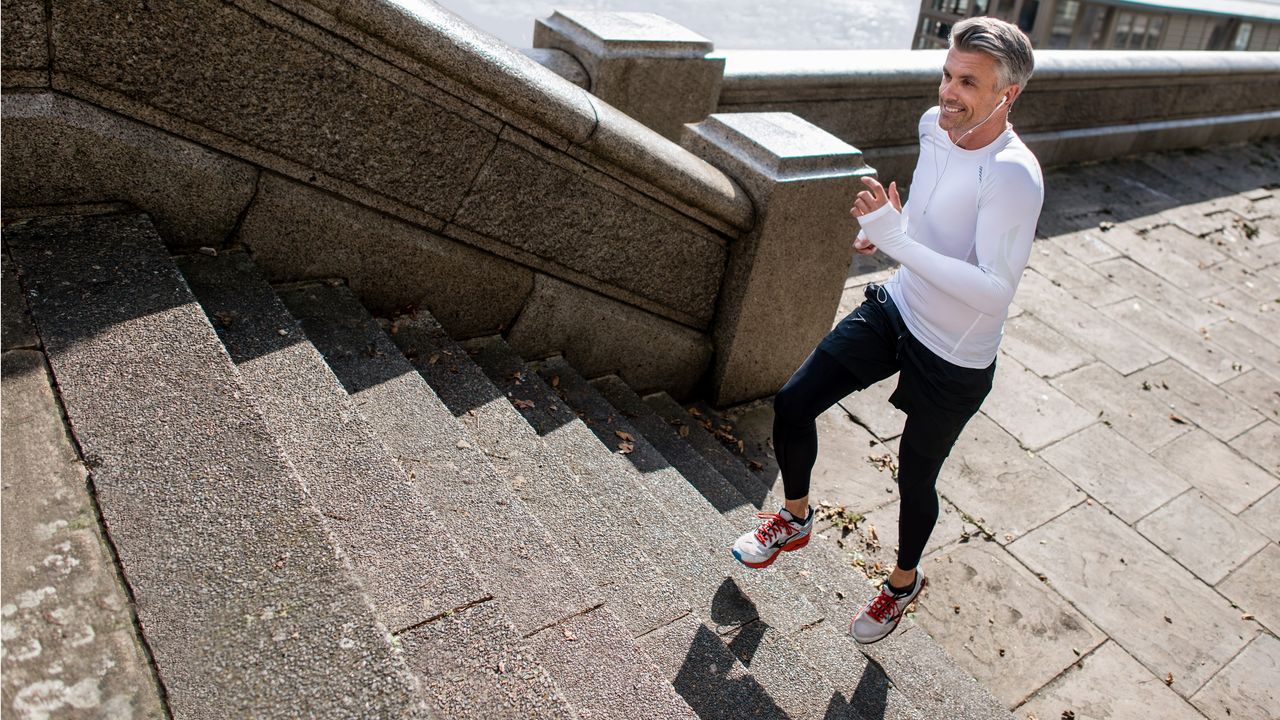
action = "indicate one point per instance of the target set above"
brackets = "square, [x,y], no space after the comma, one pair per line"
[938,396]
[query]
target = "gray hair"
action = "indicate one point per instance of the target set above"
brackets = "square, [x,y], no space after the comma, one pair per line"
[1001,40]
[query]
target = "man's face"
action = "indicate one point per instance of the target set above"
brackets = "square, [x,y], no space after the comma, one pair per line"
[969,91]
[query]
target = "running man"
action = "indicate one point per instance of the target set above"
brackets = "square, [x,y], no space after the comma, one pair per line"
[962,242]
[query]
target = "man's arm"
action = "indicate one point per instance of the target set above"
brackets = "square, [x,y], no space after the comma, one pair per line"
[1005,230]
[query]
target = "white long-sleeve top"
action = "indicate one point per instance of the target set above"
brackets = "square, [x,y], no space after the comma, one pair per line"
[962,240]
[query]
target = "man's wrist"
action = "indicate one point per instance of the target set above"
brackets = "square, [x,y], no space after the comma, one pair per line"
[880,223]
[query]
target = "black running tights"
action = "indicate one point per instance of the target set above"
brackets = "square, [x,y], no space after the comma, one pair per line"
[819,383]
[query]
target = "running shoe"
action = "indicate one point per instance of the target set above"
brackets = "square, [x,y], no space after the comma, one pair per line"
[779,532]
[879,617]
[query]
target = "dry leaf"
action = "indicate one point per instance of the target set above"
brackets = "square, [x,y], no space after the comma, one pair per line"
[684,431]
[522,404]
[626,448]
[555,381]
[569,635]
[1168,679]
[1177,419]
[754,465]
[435,358]
[623,435]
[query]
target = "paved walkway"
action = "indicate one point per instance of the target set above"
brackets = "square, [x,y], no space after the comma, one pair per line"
[1109,541]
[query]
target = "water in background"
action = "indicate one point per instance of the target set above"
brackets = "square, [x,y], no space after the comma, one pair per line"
[730,24]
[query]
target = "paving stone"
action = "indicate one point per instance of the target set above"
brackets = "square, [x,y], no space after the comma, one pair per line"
[1121,403]
[1011,631]
[1040,348]
[1261,445]
[1264,515]
[991,478]
[1067,272]
[1031,409]
[1252,348]
[1192,219]
[1178,304]
[1084,551]
[871,409]
[1108,684]
[1260,316]
[1115,472]
[1200,534]
[1248,687]
[1096,333]
[1087,246]
[68,627]
[1248,281]
[1173,254]
[1194,398]
[1253,587]
[1210,465]
[1192,349]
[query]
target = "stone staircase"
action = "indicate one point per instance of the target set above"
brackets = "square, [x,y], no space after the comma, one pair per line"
[324,514]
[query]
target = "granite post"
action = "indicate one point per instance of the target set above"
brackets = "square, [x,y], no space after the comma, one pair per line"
[650,68]
[784,277]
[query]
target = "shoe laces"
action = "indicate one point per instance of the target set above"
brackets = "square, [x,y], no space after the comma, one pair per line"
[883,607]
[774,526]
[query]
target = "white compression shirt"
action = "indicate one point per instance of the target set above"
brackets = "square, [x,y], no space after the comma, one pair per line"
[962,240]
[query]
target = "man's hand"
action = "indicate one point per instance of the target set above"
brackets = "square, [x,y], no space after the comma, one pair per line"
[872,198]
[875,197]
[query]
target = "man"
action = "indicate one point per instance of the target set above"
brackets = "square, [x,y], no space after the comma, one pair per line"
[962,242]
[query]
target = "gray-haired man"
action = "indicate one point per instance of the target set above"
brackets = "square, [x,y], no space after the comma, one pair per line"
[962,242]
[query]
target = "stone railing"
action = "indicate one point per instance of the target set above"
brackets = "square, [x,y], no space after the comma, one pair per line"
[1079,105]
[393,145]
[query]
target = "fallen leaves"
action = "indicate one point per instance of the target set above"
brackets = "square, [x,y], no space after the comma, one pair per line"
[1178,419]
[884,462]
[1168,679]
[568,634]
[522,404]
[626,448]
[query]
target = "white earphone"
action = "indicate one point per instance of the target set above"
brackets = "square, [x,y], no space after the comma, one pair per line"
[1003,99]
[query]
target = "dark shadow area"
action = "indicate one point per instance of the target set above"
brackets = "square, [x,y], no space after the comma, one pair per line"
[706,681]
[731,607]
[870,697]
[623,423]
[83,274]
[1079,197]
[533,397]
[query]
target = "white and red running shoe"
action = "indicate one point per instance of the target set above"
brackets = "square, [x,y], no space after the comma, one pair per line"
[779,532]
[879,617]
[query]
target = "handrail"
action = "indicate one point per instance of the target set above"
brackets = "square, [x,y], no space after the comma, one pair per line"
[443,41]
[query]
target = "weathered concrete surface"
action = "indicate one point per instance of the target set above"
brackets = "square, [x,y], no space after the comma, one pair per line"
[18,332]
[1031,634]
[70,643]
[600,335]
[1212,466]
[1252,586]
[1247,686]
[1031,409]
[59,150]
[1115,472]
[191,484]
[577,218]
[1201,535]
[1127,587]
[297,232]
[408,143]
[647,66]
[1108,684]
[24,58]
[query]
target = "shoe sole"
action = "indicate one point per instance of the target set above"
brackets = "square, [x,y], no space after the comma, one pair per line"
[789,547]
[924,583]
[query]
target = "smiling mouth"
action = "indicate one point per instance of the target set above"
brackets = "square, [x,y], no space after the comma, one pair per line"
[952,110]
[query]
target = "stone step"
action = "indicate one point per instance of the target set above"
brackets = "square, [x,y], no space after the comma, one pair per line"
[580,642]
[613,494]
[454,634]
[244,604]
[608,521]
[913,661]
[733,595]
[861,685]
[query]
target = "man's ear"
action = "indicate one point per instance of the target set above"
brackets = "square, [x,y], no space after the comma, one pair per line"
[1012,92]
